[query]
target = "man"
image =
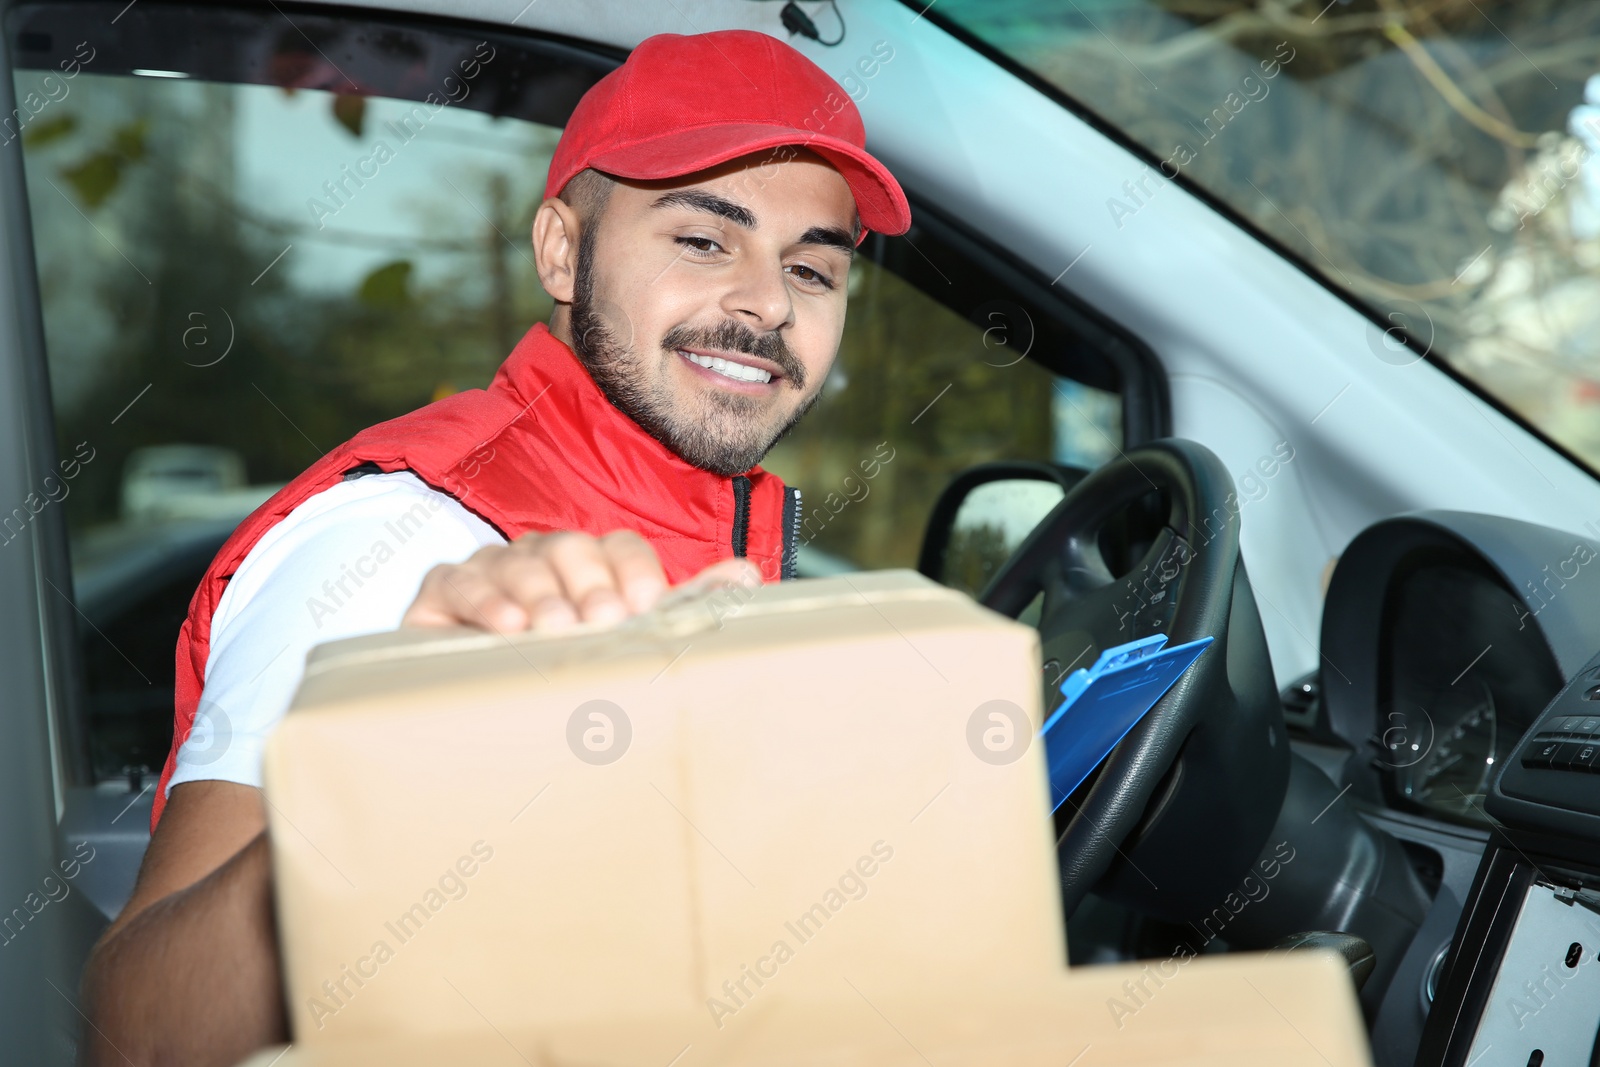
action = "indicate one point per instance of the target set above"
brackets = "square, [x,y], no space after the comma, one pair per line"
[701,212]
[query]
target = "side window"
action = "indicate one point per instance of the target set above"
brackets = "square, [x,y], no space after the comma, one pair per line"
[942,366]
[245,255]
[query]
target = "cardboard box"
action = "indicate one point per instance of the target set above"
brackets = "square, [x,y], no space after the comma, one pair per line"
[1294,1010]
[805,822]
[789,791]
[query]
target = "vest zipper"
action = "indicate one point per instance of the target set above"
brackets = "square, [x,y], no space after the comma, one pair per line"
[741,515]
[791,532]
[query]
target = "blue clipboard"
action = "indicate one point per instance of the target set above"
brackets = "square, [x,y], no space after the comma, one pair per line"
[1107,700]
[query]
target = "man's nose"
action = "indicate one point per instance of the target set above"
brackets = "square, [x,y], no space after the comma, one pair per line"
[760,298]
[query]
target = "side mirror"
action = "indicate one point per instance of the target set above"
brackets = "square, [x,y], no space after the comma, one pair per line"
[984,514]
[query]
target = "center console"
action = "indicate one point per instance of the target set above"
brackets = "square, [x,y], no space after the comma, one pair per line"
[1522,985]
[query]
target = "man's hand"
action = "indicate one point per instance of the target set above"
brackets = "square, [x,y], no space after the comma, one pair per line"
[552,581]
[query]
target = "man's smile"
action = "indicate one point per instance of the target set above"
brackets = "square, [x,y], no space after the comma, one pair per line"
[748,374]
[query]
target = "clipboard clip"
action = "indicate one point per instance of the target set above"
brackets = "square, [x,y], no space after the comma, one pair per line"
[1105,701]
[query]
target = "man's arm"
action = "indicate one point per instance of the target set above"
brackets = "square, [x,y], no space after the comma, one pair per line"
[188,973]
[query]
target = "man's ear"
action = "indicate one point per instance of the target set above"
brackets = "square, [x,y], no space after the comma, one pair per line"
[555,248]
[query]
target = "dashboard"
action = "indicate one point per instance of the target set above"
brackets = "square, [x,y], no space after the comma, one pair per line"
[1461,677]
[1444,637]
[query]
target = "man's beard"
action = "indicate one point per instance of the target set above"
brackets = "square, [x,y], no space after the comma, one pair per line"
[727,436]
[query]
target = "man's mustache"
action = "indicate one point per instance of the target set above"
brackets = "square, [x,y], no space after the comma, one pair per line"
[731,336]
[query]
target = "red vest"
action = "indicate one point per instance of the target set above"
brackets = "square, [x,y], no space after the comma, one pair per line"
[541,449]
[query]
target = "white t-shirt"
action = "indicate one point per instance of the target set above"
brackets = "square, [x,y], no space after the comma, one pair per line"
[348,561]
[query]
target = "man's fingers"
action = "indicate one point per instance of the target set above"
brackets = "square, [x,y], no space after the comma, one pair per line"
[456,595]
[527,573]
[729,572]
[551,581]
[639,577]
[716,579]
[587,579]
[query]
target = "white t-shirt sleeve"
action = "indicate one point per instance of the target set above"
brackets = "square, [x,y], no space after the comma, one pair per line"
[348,561]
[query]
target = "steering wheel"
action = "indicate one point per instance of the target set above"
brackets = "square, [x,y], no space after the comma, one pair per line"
[1183,805]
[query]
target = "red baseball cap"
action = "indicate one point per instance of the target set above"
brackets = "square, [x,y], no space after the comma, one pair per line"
[680,104]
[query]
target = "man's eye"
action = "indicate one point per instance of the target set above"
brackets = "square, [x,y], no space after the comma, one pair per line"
[700,246]
[811,274]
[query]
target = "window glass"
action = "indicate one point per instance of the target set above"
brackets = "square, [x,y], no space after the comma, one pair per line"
[236,278]
[1433,159]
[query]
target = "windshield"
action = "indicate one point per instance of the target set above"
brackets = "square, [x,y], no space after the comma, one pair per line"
[1434,159]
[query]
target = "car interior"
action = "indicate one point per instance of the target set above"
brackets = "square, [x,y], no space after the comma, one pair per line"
[1102,392]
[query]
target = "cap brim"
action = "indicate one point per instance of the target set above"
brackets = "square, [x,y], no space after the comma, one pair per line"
[880,202]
